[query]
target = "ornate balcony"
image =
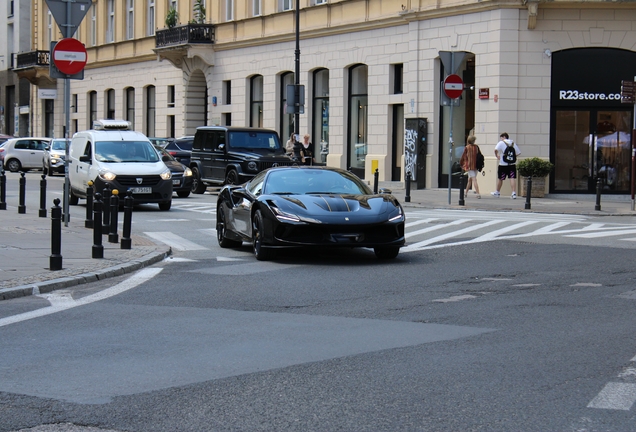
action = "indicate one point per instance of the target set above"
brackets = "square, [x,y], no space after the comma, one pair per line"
[185,41]
[34,66]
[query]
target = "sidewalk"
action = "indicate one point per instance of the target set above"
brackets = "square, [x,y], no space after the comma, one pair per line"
[25,239]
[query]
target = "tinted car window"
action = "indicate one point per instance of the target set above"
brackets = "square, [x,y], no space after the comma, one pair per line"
[255,185]
[22,145]
[184,145]
[253,140]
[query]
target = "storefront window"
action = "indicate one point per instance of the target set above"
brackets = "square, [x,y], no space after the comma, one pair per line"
[358,117]
[320,135]
[256,101]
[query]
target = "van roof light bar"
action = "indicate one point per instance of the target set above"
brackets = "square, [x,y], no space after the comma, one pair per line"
[109,124]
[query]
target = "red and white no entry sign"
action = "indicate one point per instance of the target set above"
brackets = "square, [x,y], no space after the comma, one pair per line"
[453,86]
[69,56]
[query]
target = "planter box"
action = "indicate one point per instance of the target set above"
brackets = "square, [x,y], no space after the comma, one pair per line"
[538,186]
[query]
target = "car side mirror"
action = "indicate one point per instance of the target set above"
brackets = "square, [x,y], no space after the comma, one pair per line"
[385,191]
[165,158]
[221,146]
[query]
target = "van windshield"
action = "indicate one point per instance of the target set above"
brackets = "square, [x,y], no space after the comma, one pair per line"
[125,151]
[253,140]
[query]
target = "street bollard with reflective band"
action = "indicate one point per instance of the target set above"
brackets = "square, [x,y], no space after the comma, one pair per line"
[407,198]
[88,223]
[376,174]
[42,212]
[599,188]
[461,189]
[113,237]
[126,242]
[528,193]
[106,210]
[55,260]
[22,205]
[3,190]
[98,248]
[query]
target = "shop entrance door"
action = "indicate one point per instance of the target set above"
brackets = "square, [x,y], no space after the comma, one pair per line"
[591,145]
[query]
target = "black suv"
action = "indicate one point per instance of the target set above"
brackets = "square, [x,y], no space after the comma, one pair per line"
[233,155]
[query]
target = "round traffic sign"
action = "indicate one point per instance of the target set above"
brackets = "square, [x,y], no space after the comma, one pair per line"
[69,56]
[453,86]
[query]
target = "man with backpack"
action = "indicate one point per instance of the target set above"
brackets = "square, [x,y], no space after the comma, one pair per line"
[506,152]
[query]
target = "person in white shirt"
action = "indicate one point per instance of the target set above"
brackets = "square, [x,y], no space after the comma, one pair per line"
[506,152]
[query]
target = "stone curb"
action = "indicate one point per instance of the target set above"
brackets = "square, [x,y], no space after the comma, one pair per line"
[65,282]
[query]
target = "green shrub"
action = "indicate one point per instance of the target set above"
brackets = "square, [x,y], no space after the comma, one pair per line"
[172,17]
[534,167]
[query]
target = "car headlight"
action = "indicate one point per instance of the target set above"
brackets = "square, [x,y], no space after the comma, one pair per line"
[252,166]
[166,175]
[54,160]
[398,217]
[187,172]
[284,216]
[107,175]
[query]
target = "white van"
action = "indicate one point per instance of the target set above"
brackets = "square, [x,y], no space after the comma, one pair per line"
[112,154]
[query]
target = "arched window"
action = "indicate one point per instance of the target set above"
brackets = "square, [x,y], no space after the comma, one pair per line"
[320,127]
[110,104]
[130,105]
[256,101]
[357,124]
[150,111]
[92,108]
[286,120]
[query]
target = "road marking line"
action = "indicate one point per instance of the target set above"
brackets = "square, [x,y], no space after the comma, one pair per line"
[175,241]
[61,302]
[436,227]
[452,234]
[603,234]
[419,222]
[494,234]
[455,298]
[617,396]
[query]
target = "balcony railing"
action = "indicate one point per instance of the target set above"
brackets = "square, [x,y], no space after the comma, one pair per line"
[32,59]
[185,34]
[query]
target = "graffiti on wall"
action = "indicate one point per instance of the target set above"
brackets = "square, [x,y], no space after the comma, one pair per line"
[410,152]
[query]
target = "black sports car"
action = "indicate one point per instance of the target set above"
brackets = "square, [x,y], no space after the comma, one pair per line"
[308,206]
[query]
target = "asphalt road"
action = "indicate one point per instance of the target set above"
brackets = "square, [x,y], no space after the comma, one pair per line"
[525,333]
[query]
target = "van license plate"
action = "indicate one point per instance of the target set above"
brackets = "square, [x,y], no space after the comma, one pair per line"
[141,190]
[176,182]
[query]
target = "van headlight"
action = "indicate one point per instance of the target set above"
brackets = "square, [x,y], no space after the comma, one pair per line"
[166,175]
[107,175]
[187,172]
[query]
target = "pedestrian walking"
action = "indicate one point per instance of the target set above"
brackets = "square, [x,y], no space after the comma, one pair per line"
[506,152]
[470,162]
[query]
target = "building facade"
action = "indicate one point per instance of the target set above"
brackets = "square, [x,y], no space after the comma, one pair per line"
[548,73]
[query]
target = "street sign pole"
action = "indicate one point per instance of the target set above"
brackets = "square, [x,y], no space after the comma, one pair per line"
[450,141]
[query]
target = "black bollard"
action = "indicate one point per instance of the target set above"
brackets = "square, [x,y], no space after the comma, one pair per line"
[599,188]
[88,223]
[98,249]
[55,260]
[42,212]
[528,193]
[461,189]
[22,205]
[113,237]
[376,174]
[3,189]
[106,209]
[126,242]
[407,198]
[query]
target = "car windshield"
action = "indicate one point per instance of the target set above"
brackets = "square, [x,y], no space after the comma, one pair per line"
[314,181]
[58,145]
[253,140]
[125,151]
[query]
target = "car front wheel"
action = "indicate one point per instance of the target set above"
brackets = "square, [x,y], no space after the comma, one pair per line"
[221,229]
[197,185]
[165,206]
[261,253]
[183,194]
[388,252]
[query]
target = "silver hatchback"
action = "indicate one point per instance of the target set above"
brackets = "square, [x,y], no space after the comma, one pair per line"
[22,154]
[54,156]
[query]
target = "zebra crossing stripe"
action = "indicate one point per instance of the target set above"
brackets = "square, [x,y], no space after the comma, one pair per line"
[436,227]
[175,241]
[603,234]
[452,234]
[616,396]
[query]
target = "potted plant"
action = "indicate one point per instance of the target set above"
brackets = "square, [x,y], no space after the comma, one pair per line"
[536,168]
[172,17]
[199,12]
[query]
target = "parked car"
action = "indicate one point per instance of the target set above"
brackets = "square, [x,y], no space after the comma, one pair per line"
[54,156]
[305,206]
[181,149]
[181,174]
[233,155]
[161,142]
[23,154]
[4,138]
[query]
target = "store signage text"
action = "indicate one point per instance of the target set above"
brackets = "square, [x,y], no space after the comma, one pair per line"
[580,95]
